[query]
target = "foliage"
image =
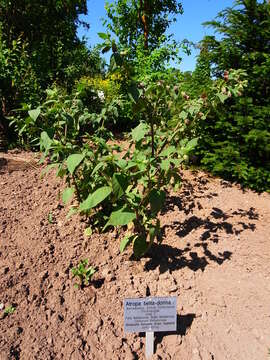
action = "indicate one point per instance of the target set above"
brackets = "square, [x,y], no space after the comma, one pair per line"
[81,62]
[83,273]
[109,86]
[18,80]
[9,310]
[169,112]
[236,146]
[154,65]
[17,77]
[143,47]
[245,31]
[131,19]
[114,110]
[65,117]
[200,81]
[234,141]
[50,218]
[49,50]
[127,187]
[32,57]
[117,187]
[59,114]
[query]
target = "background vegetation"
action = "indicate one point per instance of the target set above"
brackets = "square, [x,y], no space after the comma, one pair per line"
[57,94]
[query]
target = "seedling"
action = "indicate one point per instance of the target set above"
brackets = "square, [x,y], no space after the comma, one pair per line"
[83,273]
[9,310]
[50,217]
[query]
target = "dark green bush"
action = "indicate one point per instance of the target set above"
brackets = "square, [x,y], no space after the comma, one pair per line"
[235,139]
[235,144]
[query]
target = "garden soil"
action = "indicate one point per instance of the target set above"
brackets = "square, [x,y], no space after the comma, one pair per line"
[215,257]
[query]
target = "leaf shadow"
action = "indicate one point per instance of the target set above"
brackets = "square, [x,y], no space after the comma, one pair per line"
[210,230]
[184,323]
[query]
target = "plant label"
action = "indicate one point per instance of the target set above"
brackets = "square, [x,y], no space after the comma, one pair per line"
[151,314]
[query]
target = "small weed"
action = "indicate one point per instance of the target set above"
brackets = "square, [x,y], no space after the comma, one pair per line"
[50,218]
[9,310]
[83,273]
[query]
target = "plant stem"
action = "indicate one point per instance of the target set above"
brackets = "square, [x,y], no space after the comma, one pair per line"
[152,137]
[77,189]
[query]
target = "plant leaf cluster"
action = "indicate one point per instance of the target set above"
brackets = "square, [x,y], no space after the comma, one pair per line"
[83,272]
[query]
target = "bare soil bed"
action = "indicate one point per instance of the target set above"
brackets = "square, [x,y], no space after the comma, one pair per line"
[215,258]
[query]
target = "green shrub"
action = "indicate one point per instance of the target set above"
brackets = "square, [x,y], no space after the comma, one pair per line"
[236,144]
[118,187]
[234,139]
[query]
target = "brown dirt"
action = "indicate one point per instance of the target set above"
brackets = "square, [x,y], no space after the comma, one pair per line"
[215,258]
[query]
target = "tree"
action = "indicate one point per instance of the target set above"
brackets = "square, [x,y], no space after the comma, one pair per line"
[131,19]
[49,29]
[39,46]
[235,142]
[142,47]
[245,45]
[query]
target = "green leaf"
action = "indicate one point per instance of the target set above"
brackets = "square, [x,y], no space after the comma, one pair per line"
[156,199]
[119,184]
[183,115]
[122,163]
[34,114]
[152,233]
[97,167]
[90,272]
[103,36]
[126,241]
[134,93]
[192,109]
[191,144]
[71,212]
[165,165]
[22,129]
[155,232]
[116,59]
[139,132]
[121,217]
[61,172]
[45,141]
[88,231]
[73,161]
[176,162]
[95,198]
[222,97]
[131,164]
[67,195]
[140,246]
[168,151]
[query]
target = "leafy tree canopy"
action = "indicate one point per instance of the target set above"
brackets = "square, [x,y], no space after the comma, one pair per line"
[48,27]
[245,43]
[132,19]
[235,142]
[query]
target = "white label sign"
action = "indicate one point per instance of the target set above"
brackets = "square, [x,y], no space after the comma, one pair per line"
[151,314]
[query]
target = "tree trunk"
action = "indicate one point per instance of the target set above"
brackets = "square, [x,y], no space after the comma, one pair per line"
[144,20]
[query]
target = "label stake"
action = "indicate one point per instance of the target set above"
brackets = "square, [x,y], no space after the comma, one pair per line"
[150,315]
[149,347]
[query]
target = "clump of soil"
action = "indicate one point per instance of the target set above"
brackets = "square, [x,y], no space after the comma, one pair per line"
[215,258]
